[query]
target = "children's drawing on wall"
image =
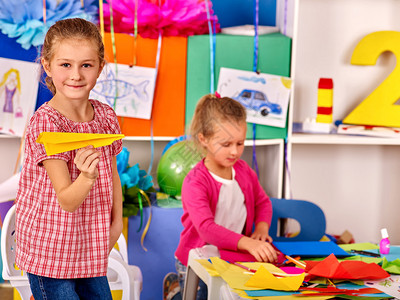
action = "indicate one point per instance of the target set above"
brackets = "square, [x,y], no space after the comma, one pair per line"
[265,96]
[130,91]
[19,81]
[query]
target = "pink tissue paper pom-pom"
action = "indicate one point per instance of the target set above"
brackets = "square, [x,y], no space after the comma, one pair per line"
[172,18]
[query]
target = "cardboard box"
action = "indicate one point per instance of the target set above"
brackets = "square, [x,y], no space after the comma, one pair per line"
[168,114]
[237,52]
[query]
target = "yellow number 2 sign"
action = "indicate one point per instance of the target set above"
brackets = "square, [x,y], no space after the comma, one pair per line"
[379,108]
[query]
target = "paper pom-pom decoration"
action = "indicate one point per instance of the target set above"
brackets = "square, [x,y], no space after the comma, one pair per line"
[170,17]
[24,19]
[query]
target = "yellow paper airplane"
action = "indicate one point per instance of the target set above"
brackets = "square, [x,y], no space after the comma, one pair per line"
[58,142]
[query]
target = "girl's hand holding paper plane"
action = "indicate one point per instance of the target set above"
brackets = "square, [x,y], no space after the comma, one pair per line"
[86,160]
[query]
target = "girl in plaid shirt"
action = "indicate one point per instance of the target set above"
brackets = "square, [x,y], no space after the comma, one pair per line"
[69,205]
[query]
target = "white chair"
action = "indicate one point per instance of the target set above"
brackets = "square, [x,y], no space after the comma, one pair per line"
[120,274]
[17,279]
[196,271]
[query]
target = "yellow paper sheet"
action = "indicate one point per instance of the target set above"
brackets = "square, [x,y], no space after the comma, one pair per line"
[236,277]
[243,294]
[263,279]
[58,142]
[208,266]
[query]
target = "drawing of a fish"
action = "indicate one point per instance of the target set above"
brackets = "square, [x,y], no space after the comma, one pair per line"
[112,88]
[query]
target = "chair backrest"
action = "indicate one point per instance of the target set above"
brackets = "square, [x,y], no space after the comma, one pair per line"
[8,245]
[122,247]
[309,215]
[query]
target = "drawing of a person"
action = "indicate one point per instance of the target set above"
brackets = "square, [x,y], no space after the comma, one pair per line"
[10,91]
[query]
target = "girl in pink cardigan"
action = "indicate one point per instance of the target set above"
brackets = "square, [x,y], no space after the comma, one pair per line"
[222,198]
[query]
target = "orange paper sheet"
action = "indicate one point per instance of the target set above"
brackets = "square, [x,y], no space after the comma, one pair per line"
[168,113]
[331,268]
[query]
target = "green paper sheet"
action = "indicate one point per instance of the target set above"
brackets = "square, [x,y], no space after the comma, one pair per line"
[237,52]
[392,267]
[358,246]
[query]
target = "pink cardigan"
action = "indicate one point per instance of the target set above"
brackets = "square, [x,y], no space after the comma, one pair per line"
[200,193]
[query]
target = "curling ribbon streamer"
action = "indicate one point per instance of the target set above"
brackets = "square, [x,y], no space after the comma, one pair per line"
[212,48]
[114,50]
[146,228]
[135,33]
[140,210]
[159,43]
[285,18]
[101,17]
[44,12]
[255,63]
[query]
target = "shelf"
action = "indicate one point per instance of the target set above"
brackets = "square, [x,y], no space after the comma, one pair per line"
[339,139]
[264,142]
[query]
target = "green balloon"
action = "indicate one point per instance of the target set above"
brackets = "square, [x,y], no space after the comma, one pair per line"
[174,165]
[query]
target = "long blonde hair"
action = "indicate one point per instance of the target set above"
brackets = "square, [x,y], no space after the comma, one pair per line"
[74,28]
[7,74]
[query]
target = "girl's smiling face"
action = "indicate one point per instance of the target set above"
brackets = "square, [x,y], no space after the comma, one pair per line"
[224,147]
[74,68]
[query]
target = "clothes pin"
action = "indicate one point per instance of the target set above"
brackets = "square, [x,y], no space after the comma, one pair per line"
[325,100]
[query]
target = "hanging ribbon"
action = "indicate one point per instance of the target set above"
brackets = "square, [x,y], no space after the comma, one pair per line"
[289,179]
[101,17]
[146,228]
[285,17]
[212,48]
[159,43]
[114,50]
[158,55]
[255,64]
[44,12]
[135,33]
[141,211]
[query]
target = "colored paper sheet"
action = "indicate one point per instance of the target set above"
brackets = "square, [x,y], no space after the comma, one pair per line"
[310,249]
[235,276]
[208,266]
[345,286]
[58,142]
[393,254]
[264,279]
[237,52]
[332,268]
[392,267]
[359,246]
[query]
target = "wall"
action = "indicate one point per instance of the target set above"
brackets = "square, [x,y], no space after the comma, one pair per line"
[352,179]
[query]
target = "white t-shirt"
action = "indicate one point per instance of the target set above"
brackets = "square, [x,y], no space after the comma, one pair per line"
[231,210]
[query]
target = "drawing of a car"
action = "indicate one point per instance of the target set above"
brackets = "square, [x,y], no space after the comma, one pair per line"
[258,101]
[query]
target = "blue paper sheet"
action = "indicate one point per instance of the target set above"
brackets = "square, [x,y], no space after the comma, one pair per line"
[310,249]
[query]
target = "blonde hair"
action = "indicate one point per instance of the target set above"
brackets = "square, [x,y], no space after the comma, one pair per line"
[74,28]
[7,74]
[211,110]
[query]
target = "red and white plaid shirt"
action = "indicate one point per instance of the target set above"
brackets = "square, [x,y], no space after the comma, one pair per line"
[52,242]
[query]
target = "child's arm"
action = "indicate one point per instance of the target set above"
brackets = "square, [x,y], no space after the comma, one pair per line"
[116,213]
[261,250]
[261,232]
[70,194]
